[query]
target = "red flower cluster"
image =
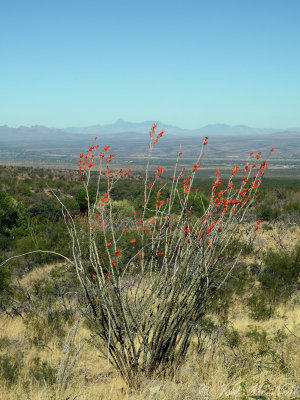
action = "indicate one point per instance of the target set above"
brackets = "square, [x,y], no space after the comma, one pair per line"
[157,137]
[257,224]
[205,141]
[159,171]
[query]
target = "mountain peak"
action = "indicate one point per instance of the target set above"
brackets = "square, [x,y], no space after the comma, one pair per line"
[120,121]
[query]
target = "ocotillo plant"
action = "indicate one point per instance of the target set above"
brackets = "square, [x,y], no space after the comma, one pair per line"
[149,279]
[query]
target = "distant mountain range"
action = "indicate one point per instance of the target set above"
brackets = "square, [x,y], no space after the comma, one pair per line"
[121,126]
[143,127]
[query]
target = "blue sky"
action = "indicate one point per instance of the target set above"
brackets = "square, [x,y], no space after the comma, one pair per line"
[187,63]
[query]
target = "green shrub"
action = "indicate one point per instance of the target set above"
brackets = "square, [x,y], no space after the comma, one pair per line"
[236,246]
[267,212]
[80,197]
[233,338]
[12,216]
[4,277]
[43,372]
[260,308]
[44,235]
[4,343]
[10,367]
[281,273]
[48,208]
[278,280]
[292,207]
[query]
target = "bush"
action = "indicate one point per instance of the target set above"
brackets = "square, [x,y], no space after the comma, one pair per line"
[47,209]
[12,216]
[281,273]
[179,242]
[278,281]
[267,212]
[10,367]
[292,207]
[81,196]
[44,235]
[4,278]
[43,372]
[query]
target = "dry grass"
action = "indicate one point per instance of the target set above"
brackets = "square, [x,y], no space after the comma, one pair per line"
[233,373]
[201,377]
[36,273]
[277,236]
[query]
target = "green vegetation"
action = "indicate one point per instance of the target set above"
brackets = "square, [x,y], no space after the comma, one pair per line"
[278,280]
[47,298]
[31,219]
